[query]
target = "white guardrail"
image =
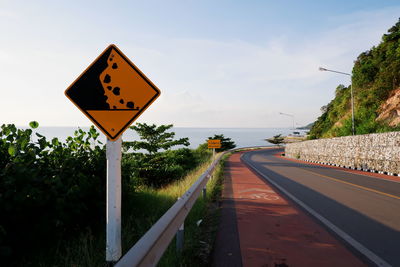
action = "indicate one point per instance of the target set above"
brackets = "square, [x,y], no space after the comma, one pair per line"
[150,248]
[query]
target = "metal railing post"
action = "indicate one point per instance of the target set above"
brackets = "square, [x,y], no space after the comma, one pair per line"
[180,238]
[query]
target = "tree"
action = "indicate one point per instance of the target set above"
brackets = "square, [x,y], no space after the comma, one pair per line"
[340,89]
[154,138]
[156,168]
[324,109]
[226,143]
[277,139]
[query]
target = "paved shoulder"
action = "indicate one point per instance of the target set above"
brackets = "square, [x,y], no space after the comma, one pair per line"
[227,247]
[270,230]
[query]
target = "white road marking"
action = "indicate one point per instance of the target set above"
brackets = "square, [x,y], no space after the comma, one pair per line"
[256,189]
[354,243]
[264,196]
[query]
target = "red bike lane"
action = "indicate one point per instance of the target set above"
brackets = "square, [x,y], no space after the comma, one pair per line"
[260,227]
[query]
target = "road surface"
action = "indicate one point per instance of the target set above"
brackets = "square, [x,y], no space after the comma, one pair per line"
[360,208]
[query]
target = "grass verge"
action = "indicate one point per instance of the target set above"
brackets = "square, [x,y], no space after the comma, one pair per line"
[201,226]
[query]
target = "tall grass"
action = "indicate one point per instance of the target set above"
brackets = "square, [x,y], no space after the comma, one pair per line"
[200,227]
[140,211]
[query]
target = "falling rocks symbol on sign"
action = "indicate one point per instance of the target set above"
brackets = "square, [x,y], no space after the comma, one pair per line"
[112,83]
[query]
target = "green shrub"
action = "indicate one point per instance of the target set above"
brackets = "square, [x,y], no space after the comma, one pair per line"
[159,165]
[277,139]
[53,192]
[49,189]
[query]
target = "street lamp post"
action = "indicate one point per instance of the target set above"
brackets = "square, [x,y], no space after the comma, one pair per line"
[352,95]
[290,115]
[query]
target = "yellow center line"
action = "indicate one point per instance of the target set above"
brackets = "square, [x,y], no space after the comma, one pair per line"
[355,185]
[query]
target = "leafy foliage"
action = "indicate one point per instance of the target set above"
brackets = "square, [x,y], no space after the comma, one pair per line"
[159,169]
[277,139]
[226,142]
[156,167]
[53,192]
[49,189]
[376,73]
[154,138]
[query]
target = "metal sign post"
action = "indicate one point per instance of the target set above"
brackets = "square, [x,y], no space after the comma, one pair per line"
[112,92]
[113,242]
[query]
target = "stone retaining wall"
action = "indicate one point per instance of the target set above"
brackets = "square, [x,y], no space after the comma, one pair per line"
[370,152]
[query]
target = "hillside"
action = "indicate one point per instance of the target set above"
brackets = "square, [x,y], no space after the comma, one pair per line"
[376,84]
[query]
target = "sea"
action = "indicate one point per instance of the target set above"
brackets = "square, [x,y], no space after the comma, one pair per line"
[243,137]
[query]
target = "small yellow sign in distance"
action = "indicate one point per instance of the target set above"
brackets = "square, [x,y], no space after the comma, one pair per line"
[112,92]
[214,143]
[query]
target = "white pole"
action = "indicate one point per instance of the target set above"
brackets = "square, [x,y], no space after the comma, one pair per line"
[290,115]
[293,122]
[352,96]
[113,245]
[352,107]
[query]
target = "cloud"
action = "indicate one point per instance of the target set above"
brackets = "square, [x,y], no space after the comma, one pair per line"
[7,14]
[239,77]
[204,82]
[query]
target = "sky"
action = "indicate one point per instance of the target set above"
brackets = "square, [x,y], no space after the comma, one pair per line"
[219,64]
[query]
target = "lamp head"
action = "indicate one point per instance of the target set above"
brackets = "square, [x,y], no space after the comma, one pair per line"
[322,69]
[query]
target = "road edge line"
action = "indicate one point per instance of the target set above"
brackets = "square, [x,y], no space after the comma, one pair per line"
[343,235]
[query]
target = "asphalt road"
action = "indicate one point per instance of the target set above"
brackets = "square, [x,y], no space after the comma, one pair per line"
[359,208]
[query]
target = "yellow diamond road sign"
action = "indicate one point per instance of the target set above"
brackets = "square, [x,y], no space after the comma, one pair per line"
[112,92]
